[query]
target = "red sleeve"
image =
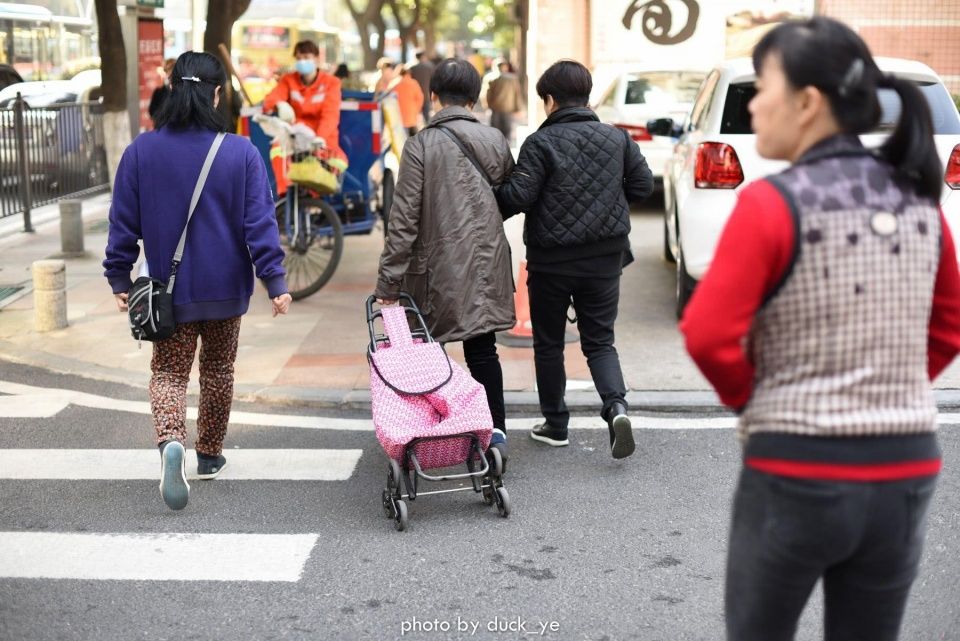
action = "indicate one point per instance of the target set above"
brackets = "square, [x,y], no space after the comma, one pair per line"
[943,339]
[754,252]
[280,93]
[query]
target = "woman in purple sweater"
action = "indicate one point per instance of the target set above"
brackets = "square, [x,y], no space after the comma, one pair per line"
[232,233]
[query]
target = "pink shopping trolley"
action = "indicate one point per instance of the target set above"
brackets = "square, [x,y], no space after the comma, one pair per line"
[428,413]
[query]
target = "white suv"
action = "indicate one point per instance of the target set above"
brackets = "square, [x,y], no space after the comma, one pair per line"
[716,155]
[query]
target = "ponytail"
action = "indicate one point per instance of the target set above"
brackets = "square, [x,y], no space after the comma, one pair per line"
[910,148]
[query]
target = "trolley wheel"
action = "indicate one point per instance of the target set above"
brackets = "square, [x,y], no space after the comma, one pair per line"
[309,269]
[496,462]
[400,520]
[393,475]
[386,201]
[488,494]
[387,504]
[503,502]
[474,480]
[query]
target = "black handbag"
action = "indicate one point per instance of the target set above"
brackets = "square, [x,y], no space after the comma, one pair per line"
[150,300]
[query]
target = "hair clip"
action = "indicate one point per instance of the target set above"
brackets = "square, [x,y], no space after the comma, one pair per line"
[191,78]
[852,78]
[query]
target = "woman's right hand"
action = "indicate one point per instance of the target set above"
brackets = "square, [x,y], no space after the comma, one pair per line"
[281,304]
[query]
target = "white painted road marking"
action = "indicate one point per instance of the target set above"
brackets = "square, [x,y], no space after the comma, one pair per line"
[31,406]
[250,464]
[42,401]
[155,557]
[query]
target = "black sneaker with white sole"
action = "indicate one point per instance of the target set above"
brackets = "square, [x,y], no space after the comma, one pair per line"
[621,432]
[554,436]
[173,477]
[209,466]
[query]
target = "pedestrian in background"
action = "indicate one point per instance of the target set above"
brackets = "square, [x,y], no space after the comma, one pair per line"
[574,179]
[233,233]
[831,304]
[422,72]
[446,246]
[505,99]
[397,80]
[160,93]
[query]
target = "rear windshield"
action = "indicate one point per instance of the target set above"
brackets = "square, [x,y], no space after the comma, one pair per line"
[736,117]
[662,88]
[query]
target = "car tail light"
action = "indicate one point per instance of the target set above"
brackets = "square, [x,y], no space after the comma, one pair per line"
[638,133]
[718,166]
[952,175]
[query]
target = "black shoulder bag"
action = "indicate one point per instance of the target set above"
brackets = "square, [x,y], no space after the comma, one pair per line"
[150,300]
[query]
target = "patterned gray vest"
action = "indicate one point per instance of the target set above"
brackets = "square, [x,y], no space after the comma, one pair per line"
[840,347]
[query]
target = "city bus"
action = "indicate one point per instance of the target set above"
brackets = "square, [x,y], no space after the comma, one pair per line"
[263,49]
[50,42]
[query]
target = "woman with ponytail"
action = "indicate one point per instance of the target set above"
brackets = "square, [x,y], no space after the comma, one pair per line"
[832,303]
[232,233]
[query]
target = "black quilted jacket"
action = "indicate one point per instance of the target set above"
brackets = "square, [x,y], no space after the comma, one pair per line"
[574,178]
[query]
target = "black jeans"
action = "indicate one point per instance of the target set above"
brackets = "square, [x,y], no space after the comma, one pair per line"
[595,302]
[480,353]
[864,540]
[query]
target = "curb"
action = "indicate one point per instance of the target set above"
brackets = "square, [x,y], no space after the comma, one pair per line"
[519,403]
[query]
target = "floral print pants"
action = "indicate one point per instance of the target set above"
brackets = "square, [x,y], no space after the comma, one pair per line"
[171,365]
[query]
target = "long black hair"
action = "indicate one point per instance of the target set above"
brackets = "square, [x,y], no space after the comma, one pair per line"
[828,55]
[193,84]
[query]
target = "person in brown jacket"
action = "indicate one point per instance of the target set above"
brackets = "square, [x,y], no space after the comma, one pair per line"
[505,99]
[446,246]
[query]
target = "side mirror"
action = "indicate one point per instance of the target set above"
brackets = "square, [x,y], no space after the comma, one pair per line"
[662,127]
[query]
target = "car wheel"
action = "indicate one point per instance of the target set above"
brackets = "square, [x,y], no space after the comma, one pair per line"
[685,282]
[667,252]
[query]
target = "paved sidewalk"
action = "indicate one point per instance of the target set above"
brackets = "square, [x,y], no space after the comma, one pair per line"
[316,354]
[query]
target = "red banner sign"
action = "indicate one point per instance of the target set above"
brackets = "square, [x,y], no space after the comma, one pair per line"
[150,48]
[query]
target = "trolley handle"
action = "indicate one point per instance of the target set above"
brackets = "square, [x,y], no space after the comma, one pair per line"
[409,305]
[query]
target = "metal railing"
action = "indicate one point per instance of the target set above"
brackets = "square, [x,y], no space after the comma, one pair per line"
[48,153]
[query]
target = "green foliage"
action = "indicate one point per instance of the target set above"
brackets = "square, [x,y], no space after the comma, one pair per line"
[494,18]
[956,100]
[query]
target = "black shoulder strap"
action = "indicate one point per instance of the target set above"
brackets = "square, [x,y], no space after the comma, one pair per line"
[466,153]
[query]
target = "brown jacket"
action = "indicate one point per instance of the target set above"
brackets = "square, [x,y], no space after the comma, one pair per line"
[505,94]
[446,246]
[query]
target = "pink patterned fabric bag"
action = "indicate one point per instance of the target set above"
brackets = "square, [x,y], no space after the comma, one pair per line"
[417,391]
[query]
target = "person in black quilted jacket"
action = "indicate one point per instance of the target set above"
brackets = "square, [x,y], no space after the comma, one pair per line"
[574,179]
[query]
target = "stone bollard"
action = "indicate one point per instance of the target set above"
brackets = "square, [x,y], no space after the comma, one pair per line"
[71,227]
[49,295]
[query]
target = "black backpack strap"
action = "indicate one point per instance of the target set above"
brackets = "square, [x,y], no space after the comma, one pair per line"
[466,153]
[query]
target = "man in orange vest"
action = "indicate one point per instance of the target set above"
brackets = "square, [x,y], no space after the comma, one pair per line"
[396,79]
[315,98]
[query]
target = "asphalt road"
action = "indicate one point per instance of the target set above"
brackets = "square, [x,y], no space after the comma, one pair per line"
[595,549]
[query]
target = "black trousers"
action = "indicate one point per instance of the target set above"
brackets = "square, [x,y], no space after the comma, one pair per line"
[480,353]
[864,540]
[595,302]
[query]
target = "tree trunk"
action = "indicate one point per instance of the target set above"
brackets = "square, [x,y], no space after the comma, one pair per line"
[221,14]
[113,67]
[370,17]
[408,30]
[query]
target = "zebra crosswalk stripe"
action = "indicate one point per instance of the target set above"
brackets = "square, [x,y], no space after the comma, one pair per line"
[154,557]
[242,464]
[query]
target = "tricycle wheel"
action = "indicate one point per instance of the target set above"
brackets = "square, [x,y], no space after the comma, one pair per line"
[400,521]
[311,258]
